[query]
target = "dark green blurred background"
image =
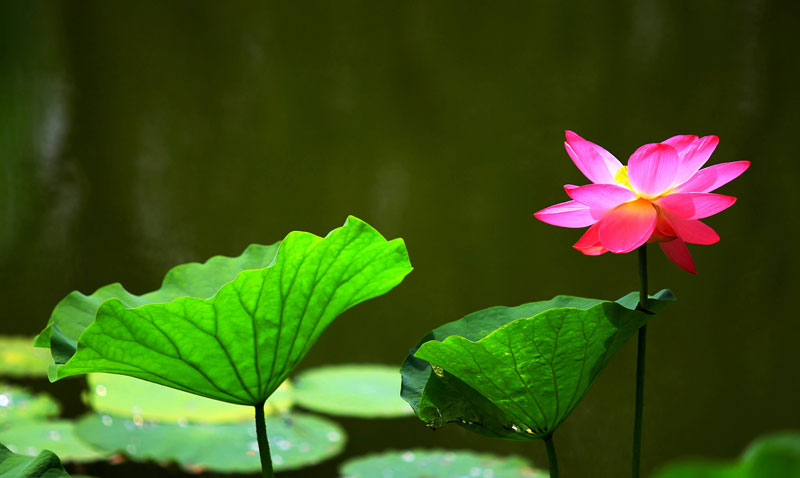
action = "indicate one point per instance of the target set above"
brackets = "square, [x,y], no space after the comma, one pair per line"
[135,136]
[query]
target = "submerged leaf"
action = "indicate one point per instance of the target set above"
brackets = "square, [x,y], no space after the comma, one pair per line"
[295,440]
[31,438]
[18,405]
[773,456]
[517,372]
[365,391]
[130,397]
[19,358]
[240,345]
[439,464]
[45,465]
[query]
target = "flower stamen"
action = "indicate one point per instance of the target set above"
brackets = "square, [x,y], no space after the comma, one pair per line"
[621,177]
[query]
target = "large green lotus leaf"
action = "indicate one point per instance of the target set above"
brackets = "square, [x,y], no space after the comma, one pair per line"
[416,372]
[517,372]
[242,343]
[133,398]
[439,464]
[75,312]
[19,358]
[45,465]
[295,440]
[31,437]
[775,456]
[18,404]
[365,391]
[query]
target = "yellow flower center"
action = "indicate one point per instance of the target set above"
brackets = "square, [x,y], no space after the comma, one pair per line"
[621,177]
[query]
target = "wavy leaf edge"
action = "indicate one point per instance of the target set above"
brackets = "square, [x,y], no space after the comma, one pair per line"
[46,339]
[390,277]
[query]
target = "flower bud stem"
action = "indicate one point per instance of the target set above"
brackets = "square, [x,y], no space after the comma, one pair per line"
[640,363]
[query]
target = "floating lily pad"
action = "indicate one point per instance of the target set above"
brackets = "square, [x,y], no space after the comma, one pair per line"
[439,464]
[239,345]
[44,465]
[517,372]
[130,397]
[18,404]
[774,456]
[295,440]
[352,390]
[19,358]
[32,437]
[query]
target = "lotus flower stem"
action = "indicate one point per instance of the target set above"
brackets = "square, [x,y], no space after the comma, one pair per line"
[640,363]
[551,455]
[643,278]
[263,443]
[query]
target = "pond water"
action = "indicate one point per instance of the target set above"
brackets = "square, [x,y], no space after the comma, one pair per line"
[135,136]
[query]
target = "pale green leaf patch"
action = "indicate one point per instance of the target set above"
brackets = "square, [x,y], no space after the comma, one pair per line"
[17,404]
[296,440]
[32,437]
[130,397]
[355,390]
[19,358]
[440,464]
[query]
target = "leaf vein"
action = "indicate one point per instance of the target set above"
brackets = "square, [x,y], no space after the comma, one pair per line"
[177,350]
[491,382]
[347,241]
[179,359]
[525,382]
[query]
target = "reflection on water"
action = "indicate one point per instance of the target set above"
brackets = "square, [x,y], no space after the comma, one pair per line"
[134,137]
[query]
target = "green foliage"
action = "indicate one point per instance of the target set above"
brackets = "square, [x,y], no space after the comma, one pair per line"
[32,437]
[365,391]
[75,312]
[439,464]
[18,405]
[775,456]
[130,397]
[45,465]
[296,440]
[517,372]
[19,358]
[239,345]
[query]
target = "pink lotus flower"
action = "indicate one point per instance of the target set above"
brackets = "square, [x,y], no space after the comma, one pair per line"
[660,196]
